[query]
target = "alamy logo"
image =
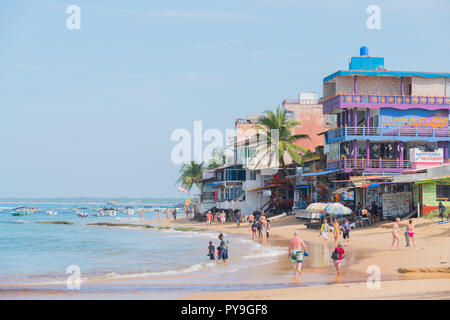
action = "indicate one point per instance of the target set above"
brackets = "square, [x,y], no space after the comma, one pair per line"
[374,280]
[374,20]
[74,280]
[73,22]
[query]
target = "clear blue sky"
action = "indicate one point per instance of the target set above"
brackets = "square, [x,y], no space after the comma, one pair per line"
[89,112]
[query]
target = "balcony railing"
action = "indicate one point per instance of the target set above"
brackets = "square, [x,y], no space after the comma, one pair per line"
[378,133]
[376,101]
[363,164]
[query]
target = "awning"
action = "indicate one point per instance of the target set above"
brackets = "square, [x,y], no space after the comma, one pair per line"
[319,173]
[215,184]
[265,187]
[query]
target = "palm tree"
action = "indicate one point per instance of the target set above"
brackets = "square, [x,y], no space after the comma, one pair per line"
[286,140]
[191,173]
[218,158]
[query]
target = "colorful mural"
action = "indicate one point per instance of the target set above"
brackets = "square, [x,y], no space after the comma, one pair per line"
[390,117]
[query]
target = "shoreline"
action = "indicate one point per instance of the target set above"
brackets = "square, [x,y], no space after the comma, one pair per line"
[409,273]
[403,272]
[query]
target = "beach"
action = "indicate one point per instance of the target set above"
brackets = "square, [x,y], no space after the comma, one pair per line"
[259,269]
[422,273]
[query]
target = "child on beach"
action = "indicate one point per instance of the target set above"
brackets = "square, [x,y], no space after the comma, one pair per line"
[259,227]
[208,218]
[254,229]
[223,217]
[211,251]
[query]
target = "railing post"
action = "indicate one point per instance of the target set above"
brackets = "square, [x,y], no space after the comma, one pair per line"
[398,162]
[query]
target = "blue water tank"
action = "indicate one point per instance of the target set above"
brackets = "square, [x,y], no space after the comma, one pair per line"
[364,51]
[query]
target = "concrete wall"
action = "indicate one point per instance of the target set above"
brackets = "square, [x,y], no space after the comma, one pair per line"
[312,122]
[429,87]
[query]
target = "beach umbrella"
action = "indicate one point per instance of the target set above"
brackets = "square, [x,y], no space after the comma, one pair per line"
[337,209]
[317,207]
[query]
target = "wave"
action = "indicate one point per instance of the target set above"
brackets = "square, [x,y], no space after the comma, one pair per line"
[265,252]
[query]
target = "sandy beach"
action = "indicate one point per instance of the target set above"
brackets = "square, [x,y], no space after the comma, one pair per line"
[422,273]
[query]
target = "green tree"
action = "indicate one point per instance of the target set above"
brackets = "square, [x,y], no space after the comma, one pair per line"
[190,174]
[286,140]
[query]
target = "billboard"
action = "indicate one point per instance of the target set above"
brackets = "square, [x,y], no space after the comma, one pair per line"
[390,117]
[437,156]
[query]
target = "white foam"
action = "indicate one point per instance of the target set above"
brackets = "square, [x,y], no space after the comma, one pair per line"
[265,252]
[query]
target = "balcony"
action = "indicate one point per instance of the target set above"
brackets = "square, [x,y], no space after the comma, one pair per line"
[380,134]
[370,165]
[384,101]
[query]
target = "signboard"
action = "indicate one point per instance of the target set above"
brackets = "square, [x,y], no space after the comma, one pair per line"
[267,193]
[436,156]
[390,117]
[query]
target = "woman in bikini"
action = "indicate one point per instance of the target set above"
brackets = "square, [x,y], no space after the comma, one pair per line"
[336,231]
[411,234]
[396,234]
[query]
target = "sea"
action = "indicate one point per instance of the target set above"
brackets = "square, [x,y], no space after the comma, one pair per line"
[42,252]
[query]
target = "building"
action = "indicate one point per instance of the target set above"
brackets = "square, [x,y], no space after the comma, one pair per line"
[387,121]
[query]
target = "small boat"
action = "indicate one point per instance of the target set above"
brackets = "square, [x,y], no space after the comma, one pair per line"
[19,214]
[129,212]
[82,214]
[52,213]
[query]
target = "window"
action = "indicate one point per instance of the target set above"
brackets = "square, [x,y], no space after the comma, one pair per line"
[442,192]
[252,175]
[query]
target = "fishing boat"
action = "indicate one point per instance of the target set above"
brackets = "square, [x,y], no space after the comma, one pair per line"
[52,213]
[82,214]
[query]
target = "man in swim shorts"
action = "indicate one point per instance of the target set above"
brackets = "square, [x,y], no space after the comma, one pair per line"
[297,247]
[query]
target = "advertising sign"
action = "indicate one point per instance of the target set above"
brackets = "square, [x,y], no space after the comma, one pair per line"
[436,156]
[390,117]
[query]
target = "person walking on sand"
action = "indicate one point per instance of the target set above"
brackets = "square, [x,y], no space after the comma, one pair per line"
[396,234]
[216,218]
[441,209]
[337,256]
[159,214]
[223,217]
[336,231]
[411,233]
[296,249]
[167,213]
[324,231]
[141,213]
[208,218]
[346,230]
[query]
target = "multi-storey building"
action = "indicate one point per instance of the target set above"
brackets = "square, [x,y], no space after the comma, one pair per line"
[387,121]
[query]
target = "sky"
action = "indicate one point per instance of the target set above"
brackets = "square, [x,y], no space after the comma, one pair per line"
[90,112]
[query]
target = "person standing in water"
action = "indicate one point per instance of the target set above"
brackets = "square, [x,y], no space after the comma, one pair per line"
[211,252]
[159,214]
[296,249]
[267,227]
[324,231]
[338,256]
[396,234]
[251,219]
[411,233]
[223,246]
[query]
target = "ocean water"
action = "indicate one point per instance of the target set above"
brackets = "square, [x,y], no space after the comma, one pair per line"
[34,254]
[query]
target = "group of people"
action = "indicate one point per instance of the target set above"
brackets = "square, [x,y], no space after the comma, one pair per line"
[257,225]
[337,229]
[409,234]
[222,250]
[216,218]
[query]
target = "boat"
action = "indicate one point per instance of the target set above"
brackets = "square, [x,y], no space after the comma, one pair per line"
[82,214]
[52,213]
[129,211]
